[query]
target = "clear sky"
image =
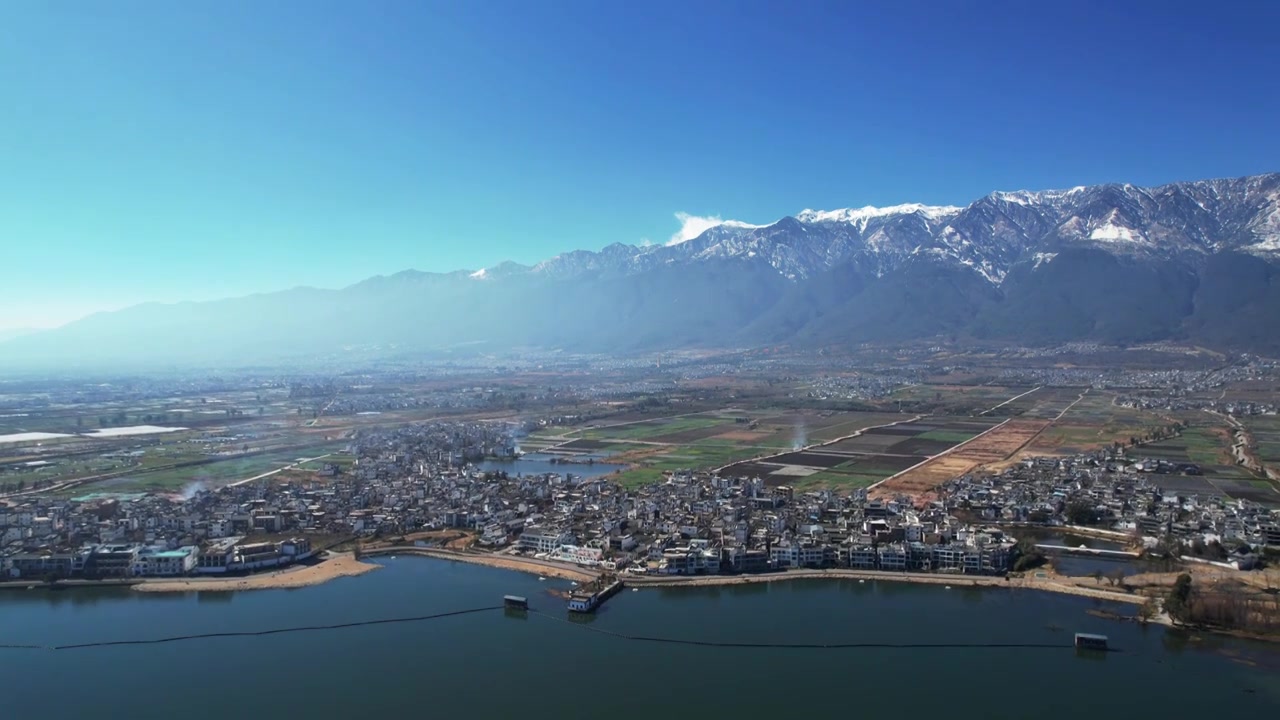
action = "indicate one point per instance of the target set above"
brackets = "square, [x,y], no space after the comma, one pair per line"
[192,150]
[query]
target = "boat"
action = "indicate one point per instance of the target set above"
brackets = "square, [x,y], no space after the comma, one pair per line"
[540,578]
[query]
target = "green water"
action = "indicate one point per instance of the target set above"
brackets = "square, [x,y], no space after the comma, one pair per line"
[489,665]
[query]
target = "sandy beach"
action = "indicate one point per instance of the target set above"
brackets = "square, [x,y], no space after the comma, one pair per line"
[533,566]
[336,565]
[1046,584]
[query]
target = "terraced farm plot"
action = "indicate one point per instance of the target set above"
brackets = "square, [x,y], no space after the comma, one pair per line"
[996,445]
[1049,402]
[1263,492]
[1016,404]
[217,472]
[583,446]
[876,454]
[1265,430]
[1203,446]
[1094,422]
[790,430]
[651,430]
[922,446]
[1186,484]
[690,435]
[864,444]
[810,459]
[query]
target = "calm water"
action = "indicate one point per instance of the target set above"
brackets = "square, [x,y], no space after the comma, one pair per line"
[1085,565]
[537,464]
[491,666]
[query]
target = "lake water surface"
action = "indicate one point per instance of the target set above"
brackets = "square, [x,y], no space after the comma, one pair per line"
[488,665]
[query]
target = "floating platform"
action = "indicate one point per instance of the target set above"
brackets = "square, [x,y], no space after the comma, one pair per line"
[1089,641]
[515,602]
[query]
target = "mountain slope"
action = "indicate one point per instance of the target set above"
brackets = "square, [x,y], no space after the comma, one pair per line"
[1120,263]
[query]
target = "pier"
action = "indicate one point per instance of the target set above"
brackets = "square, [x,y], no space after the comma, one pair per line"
[588,597]
[1097,552]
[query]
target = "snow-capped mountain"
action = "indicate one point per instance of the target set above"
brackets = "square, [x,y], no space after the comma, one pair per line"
[991,235]
[1191,261]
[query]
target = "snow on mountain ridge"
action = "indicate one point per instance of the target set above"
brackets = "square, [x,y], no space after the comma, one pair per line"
[863,214]
[1179,221]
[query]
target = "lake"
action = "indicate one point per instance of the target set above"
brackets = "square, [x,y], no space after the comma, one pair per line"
[488,665]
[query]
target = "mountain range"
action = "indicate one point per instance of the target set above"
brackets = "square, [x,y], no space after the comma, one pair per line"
[1189,261]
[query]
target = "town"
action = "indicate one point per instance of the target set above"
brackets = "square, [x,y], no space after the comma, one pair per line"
[423,477]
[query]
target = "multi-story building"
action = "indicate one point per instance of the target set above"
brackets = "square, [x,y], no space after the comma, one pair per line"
[544,540]
[161,562]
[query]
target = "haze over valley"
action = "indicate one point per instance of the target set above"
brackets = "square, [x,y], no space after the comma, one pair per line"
[1195,261]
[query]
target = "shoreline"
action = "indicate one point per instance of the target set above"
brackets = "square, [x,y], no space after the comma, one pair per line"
[956,580]
[530,566]
[566,571]
[334,566]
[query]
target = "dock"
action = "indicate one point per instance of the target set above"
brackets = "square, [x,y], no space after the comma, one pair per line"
[587,598]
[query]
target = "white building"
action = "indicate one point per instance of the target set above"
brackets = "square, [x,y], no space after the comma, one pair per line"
[159,562]
[543,540]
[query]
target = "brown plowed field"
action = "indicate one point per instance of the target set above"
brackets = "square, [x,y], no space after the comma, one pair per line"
[995,446]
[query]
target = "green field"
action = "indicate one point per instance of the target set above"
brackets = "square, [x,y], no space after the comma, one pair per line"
[1200,445]
[828,479]
[695,456]
[216,472]
[652,428]
[1265,430]
[946,436]
[1095,422]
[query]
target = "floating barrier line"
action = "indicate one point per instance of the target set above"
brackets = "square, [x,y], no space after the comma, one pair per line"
[601,631]
[254,633]
[809,646]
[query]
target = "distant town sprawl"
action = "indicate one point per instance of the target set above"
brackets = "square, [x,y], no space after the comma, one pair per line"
[393,482]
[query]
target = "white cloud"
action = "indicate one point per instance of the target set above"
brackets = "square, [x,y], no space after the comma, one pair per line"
[691,226]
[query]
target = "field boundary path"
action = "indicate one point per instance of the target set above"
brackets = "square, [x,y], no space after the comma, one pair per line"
[1006,402]
[824,443]
[269,473]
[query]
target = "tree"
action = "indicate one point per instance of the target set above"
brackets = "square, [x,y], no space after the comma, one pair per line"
[1116,577]
[1080,512]
[1097,576]
[1176,604]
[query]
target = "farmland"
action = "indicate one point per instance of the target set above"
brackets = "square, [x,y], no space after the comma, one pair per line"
[1092,423]
[709,441]
[995,445]
[1203,446]
[870,457]
[1265,430]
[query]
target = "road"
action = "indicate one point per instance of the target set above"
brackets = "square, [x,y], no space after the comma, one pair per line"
[238,483]
[1006,402]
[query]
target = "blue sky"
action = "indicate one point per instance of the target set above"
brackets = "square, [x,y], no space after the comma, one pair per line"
[174,151]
